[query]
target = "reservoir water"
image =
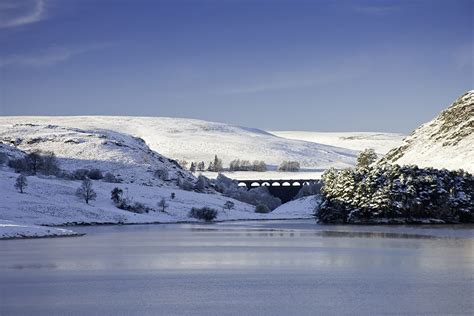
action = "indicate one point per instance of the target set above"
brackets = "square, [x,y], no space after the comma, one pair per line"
[242,268]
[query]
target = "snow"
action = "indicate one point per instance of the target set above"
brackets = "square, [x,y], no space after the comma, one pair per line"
[445,142]
[125,156]
[305,174]
[189,139]
[380,142]
[51,201]
[303,207]
[11,229]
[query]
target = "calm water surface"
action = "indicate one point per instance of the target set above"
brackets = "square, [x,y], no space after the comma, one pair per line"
[242,268]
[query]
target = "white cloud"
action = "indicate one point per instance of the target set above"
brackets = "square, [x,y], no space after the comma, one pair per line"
[17,13]
[48,57]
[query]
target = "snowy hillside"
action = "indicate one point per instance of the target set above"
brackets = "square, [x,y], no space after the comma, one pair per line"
[125,156]
[192,140]
[445,142]
[380,142]
[52,201]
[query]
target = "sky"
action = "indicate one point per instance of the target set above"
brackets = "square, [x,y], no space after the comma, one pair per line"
[327,65]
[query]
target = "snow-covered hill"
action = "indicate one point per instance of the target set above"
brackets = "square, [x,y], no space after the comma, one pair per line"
[445,142]
[380,142]
[125,156]
[189,139]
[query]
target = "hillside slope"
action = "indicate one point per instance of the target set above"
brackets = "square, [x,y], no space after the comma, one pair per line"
[445,142]
[380,142]
[196,140]
[125,156]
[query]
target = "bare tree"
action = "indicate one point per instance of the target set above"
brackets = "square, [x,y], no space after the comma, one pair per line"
[21,183]
[85,191]
[163,204]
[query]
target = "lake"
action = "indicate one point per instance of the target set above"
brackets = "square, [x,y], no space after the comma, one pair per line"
[242,268]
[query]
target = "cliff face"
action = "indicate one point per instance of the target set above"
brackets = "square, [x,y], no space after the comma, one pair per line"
[445,142]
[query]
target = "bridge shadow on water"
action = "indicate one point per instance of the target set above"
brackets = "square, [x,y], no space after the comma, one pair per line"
[285,189]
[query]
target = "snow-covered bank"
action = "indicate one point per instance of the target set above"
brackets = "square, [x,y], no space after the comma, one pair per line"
[51,201]
[13,230]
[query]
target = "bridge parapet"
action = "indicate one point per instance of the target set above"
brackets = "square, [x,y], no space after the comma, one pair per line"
[277,182]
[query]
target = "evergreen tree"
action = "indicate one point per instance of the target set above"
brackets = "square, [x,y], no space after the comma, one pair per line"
[116,195]
[366,158]
[193,167]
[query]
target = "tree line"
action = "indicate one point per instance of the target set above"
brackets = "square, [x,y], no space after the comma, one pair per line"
[216,165]
[376,193]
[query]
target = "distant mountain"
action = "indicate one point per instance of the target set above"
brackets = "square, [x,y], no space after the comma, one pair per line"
[189,139]
[380,142]
[445,142]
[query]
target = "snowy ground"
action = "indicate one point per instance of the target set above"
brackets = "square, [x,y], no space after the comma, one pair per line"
[380,142]
[51,201]
[273,175]
[189,139]
[11,229]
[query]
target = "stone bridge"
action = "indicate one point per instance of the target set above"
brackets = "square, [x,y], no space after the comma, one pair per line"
[285,189]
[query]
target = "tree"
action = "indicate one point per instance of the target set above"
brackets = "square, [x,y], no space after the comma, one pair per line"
[116,195]
[50,164]
[217,164]
[229,205]
[292,166]
[211,166]
[173,195]
[259,166]
[163,204]
[201,166]
[21,183]
[85,191]
[366,158]
[193,167]
[36,161]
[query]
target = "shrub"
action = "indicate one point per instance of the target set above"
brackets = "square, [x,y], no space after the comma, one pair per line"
[110,178]
[262,208]
[204,213]
[135,207]
[162,174]
[80,174]
[229,205]
[95,174]
[185,184]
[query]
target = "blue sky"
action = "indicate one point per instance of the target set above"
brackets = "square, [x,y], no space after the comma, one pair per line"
[283,65]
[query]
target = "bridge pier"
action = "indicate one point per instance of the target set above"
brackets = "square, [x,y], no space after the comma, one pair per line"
[285,189]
